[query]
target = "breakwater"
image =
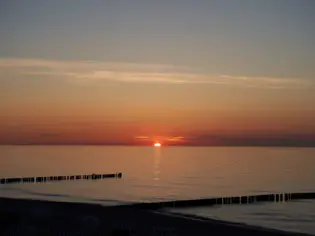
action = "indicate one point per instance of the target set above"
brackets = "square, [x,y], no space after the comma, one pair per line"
[43,179]
[275,197]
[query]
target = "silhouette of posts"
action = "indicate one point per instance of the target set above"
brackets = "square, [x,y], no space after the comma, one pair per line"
[42,179]
[279,197]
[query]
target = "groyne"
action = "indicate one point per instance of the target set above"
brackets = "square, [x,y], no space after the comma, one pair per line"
[274,197]
[43,179]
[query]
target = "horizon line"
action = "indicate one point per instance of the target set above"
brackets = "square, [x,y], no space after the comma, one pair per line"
[168,145]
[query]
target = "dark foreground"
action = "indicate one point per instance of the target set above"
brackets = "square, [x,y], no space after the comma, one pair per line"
[33,217]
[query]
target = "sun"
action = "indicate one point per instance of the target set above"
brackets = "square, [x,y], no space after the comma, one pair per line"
[157,144]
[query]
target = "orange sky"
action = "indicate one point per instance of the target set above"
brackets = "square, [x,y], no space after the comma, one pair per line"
[70,113]
[106,72]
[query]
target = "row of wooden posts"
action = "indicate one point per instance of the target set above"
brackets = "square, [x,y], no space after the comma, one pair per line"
[279,197]
[43,179]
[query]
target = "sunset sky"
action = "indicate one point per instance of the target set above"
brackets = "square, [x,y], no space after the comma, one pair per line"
[196,72]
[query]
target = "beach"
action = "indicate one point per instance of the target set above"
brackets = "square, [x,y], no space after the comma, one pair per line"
[37,217]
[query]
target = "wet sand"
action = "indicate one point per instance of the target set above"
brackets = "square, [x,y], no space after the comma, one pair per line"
[35,217]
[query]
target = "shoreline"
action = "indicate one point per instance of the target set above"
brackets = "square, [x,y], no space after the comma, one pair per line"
[41,217]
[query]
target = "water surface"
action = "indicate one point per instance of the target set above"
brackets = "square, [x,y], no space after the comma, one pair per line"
[157,174]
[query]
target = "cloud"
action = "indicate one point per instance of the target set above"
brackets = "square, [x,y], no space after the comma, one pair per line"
[142,137]
[162,138]
[96,73]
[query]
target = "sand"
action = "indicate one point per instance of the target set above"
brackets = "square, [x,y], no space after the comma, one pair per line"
[35,217]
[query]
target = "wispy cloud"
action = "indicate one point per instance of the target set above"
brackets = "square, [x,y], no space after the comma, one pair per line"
[162,138]
[95,72]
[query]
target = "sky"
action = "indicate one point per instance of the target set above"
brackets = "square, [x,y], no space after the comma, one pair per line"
[133,72]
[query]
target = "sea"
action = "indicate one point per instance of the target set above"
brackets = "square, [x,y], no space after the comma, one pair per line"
[153,174]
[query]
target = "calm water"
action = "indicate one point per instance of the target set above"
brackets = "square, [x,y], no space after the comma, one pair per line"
[168,173]
[295,216]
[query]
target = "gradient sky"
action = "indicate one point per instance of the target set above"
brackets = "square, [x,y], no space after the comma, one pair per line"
[181,72]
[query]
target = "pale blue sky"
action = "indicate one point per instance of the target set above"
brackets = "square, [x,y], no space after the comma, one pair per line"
[236,37]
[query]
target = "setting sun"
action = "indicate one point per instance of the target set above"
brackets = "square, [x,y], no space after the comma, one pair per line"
[157,144]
